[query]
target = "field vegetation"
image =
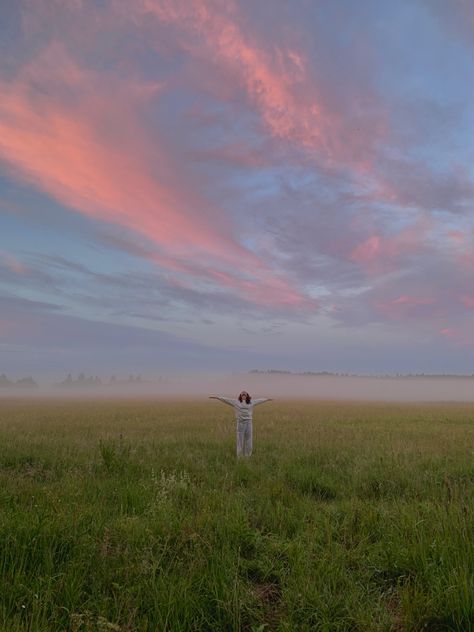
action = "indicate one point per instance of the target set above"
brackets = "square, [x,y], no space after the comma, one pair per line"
[136,516]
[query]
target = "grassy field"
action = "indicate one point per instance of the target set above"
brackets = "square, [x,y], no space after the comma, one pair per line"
[136,516]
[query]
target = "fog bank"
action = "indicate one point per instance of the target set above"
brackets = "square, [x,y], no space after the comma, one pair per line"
[274,385]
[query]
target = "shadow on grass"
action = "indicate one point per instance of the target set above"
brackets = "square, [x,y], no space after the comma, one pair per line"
[311,484]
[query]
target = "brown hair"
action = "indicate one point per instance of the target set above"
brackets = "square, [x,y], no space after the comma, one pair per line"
[248,399]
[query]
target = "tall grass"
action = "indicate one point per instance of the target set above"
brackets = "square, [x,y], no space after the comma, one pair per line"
[136,516]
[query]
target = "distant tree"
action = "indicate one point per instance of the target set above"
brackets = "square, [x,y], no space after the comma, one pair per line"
[26,382]
[4,381]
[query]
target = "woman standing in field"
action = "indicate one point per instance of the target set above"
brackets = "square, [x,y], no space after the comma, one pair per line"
[243,407]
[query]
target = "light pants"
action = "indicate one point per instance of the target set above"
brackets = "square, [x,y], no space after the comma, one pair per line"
[244,438]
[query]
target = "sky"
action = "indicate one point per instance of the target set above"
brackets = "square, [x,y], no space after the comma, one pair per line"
[224,185]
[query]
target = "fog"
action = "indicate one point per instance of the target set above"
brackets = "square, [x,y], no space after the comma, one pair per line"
[193,385]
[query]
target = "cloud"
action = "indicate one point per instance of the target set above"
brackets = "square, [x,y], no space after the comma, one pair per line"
[277,80]
[81,141]
[240,160]
[150,295]
[457,18]
[12,264]
[15,273]
[33,323]
[382,253]
[45,340]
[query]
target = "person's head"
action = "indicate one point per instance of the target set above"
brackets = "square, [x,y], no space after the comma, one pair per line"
[244,396]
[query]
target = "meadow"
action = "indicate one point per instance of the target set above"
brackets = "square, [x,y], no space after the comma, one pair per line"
[136,516]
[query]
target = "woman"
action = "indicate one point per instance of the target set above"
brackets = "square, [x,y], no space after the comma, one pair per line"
[243,407]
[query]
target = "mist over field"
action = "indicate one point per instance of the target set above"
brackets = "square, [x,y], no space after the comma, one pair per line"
[275,385]
[353,387]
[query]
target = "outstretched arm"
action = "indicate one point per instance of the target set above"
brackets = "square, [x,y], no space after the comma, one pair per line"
[262,400]
[225,400]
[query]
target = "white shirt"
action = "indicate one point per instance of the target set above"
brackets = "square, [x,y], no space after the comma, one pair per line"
[243,411]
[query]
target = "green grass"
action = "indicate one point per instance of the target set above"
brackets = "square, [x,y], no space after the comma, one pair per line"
[136,516]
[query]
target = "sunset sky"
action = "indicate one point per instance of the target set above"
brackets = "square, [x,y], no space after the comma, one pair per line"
[230,184]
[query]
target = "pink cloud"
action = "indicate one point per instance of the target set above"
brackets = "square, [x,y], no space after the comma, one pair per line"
[411,300]
[468,301]
[459,337]
[81,140]
[301,111]
[368,251]
[462,246]
[457,236]
[467,259]
[380,253]
[266,290]
[13,264]
[278,81]
[403,306]
[448,332]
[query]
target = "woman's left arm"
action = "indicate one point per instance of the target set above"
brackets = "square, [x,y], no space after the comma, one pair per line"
[262,400]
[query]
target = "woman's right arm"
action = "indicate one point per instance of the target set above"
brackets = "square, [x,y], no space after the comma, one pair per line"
[225,400]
